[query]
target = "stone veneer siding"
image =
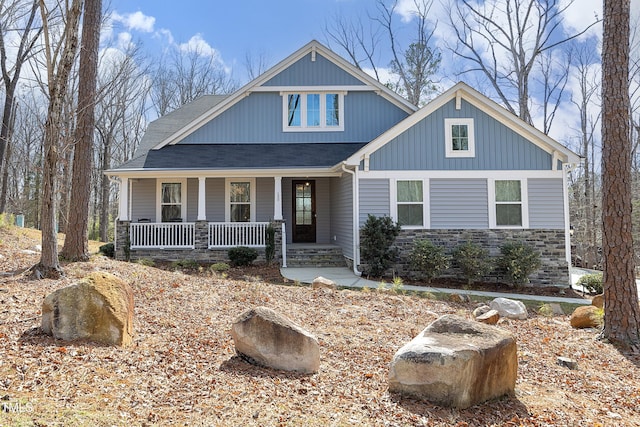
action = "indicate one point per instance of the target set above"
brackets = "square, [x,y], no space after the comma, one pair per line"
[201,253]
[550,244]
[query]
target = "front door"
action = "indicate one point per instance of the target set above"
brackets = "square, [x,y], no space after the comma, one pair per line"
[304,211]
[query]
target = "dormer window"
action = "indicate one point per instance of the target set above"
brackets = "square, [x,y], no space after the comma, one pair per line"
[318,111]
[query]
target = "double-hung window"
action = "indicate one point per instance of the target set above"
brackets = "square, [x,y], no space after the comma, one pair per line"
[321,111]
[509,204]
[172,195]
[459,138]
[410,203]
[241,195]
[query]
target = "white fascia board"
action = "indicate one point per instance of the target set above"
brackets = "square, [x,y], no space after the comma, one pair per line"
[399,128]
[224,173]
[518,125]
[361,75]
[481,102]
[273,71]
[458,174]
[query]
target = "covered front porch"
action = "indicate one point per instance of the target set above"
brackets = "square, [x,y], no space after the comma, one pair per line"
[200,218]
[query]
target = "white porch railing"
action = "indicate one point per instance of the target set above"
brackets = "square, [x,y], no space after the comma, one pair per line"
[230,234]
[162,235]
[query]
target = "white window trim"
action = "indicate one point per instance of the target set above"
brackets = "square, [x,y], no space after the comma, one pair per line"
[393,197]
[303,112]
[449,151]
[183,196]
[227,197]
[524,194]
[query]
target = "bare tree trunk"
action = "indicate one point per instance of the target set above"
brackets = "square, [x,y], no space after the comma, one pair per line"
[27,41]
[5,177]
[621,309]
[58,70]
[76,246]
[64,191]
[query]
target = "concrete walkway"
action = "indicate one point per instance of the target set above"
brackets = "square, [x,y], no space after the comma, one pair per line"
[342,276]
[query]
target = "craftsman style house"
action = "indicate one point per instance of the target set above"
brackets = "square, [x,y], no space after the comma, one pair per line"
[314,145]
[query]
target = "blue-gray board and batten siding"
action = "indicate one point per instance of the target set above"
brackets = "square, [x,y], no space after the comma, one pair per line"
[258,117]
[307,72]
[497,147]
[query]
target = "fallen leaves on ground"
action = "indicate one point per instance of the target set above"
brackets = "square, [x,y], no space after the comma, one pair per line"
[182,369]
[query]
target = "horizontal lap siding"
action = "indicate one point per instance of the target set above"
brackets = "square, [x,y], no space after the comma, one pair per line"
[342,213]
[264,202]
[459,203]
[323,210]
[215,199]
[546,203]
[374,198]
[143,199]
[192,199]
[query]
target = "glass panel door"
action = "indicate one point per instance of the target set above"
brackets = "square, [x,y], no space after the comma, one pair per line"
[304,211]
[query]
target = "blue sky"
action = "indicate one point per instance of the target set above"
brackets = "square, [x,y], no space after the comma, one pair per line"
[233,29]
[276,28]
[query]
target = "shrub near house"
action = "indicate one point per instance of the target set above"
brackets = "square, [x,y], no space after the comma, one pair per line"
[328,146]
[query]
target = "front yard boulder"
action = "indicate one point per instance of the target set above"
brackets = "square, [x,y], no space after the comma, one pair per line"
[586,316]
[323,283]
[266,338]
[509,308]
[457,363]
[98,308]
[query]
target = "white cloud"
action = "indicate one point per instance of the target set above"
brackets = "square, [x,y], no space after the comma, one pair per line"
[198,44]
[406,9]
[164,33]
[580,14]
[125,41]
[136,21]
[385,74]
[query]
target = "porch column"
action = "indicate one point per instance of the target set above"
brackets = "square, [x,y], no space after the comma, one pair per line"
[277,198]
[123,211]
[202,199]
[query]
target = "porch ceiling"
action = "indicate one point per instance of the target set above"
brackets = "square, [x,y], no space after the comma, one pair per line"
[243,156]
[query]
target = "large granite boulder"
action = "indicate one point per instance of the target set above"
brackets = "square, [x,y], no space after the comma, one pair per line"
[456,362]
[269,339]
[98,308]
[586,316]
[509,308]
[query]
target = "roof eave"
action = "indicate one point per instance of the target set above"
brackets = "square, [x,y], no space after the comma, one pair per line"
[481,101]
[273,71]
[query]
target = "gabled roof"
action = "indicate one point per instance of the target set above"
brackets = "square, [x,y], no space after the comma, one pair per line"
[165,126]
[480,101]
[313,47]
